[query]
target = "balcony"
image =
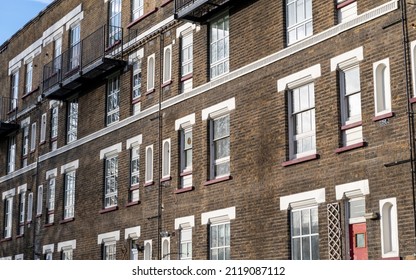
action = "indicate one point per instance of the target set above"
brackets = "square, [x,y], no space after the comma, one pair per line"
[85,64]
[8,116]
[198,10]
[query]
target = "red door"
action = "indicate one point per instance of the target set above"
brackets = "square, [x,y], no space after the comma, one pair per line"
[358,242]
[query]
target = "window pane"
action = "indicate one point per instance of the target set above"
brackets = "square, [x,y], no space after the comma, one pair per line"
[296,223]
[306,253]
[315,247]
[354,105]
[222,127]
[214,237]
[296,249]
[305,222]
[314,220]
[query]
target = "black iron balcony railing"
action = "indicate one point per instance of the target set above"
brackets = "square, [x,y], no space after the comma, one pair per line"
[96,56]
[8,115]
[197,10]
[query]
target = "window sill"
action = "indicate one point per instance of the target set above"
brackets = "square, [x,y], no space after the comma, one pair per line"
[30,92]
[412,100]
[136,100]
[183,190]
[54,139]
[130,204]
[49,225]
[187,77]
[383,116]
[351,125]
[67,220]
[6,239]
[186,173]
[150,91]
[20,236]
[167,83]
[217,180]
[165,179]
[110,209]
[165,3]
[116,43]
[38,215]
[350,147]
[141,18]
[391,259]
[148,184]
[345,3]
[300,160]
[28,223]
[134,187]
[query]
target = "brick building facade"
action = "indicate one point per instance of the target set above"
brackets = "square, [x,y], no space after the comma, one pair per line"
[178,129]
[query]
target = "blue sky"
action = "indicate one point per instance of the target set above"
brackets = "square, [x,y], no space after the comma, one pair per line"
[14,14]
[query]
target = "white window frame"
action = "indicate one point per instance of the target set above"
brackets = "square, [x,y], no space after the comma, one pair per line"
[132,235]
[214,161]
[19,257]
[69,171]
[75,47]
[413,57]
[136,79]
[21,191]
[54,120]
[43,128]
[113,100]
[29,77]
[33,137]
[57,51]
[14,90]
[187,61]
[133,144]
[185,225]
[288,84]
[39,201]
[72,120]
[151,61]
[218,218]
[166,155]
[213,113]
[106,240]
[48,250]
[137,9]
[29,207]
[222,62]
[7,198]
[382,87]
[302,23]
[301,201]
[11,154]
[50,200]
[110,155]
[184,126]
[114,21]
[300,236]
[149,165]
[167,64]
[67,249]
[389,228]
[25,141]
[348,12]
[346,62]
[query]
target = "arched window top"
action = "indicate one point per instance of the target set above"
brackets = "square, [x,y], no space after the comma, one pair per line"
[382,88]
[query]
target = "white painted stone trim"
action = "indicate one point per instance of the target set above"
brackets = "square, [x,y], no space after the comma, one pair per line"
[70,166]
[413,56]
[185,122]
[74,21]
[218,216]
[303,199]
[109,236]
[51,173]
[133,233]
[184,27]
[395,230]
[134,142]
[25,122]
[218,109]
[18,172]
[32,49]
[185,222]
[8,193]
[347,59]
[67,244]
[22,188]
[111,151]
[352,190]
[48,248]
[137,54]
[299,78]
